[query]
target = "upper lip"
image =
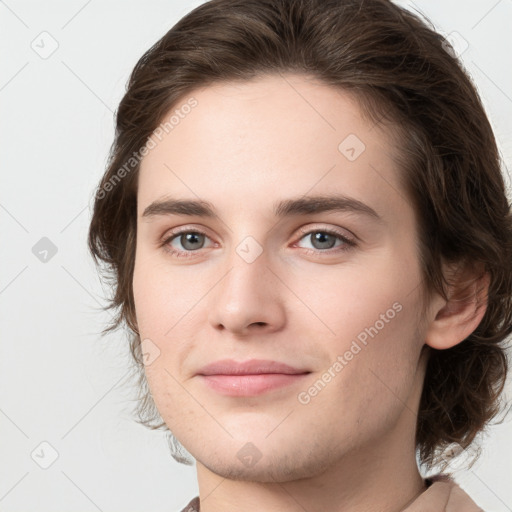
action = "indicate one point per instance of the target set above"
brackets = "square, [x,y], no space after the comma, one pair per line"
[251,367]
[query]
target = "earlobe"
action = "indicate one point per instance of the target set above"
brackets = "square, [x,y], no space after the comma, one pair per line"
[455,320]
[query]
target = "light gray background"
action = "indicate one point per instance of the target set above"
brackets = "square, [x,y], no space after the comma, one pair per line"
[60,382]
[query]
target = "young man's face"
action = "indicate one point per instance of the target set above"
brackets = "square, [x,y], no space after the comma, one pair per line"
[284,288]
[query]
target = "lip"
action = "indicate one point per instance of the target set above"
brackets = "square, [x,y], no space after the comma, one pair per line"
[250,367]
[249,378]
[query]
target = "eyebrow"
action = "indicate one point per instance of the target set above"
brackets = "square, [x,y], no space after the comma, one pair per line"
[285,208]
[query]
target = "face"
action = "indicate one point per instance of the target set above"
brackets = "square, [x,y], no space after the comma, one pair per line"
[277,272]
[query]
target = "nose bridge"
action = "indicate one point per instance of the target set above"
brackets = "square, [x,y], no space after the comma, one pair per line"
[248,263]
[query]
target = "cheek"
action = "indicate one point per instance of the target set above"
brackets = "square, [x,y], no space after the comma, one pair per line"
[348,300]
[162,296]
[370,334]
[363,390]
[169,396]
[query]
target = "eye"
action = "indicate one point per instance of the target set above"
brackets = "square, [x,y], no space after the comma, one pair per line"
[323,240]
[190,240]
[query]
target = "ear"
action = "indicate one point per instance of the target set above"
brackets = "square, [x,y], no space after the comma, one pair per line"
[454,320]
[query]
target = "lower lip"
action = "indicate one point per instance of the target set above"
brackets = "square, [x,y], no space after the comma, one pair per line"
[250,385]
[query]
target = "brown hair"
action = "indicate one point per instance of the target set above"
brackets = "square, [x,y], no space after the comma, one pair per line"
[400,72]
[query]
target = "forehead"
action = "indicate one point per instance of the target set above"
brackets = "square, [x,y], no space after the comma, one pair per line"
[258,138]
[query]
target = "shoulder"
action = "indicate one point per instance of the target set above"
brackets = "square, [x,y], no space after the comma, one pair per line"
[443,494]
[193,505]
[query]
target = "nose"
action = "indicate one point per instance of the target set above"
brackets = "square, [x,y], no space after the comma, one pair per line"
[248,298]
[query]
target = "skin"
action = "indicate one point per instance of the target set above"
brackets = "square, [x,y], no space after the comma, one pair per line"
[242,148]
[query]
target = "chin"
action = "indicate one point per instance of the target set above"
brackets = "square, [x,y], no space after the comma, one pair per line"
[274,459]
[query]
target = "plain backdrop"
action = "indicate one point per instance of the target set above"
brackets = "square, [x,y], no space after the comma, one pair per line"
[67,437]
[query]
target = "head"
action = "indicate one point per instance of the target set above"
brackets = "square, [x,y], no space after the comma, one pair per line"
[247,106]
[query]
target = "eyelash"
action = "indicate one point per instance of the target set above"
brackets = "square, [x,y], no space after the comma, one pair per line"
[349,243]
